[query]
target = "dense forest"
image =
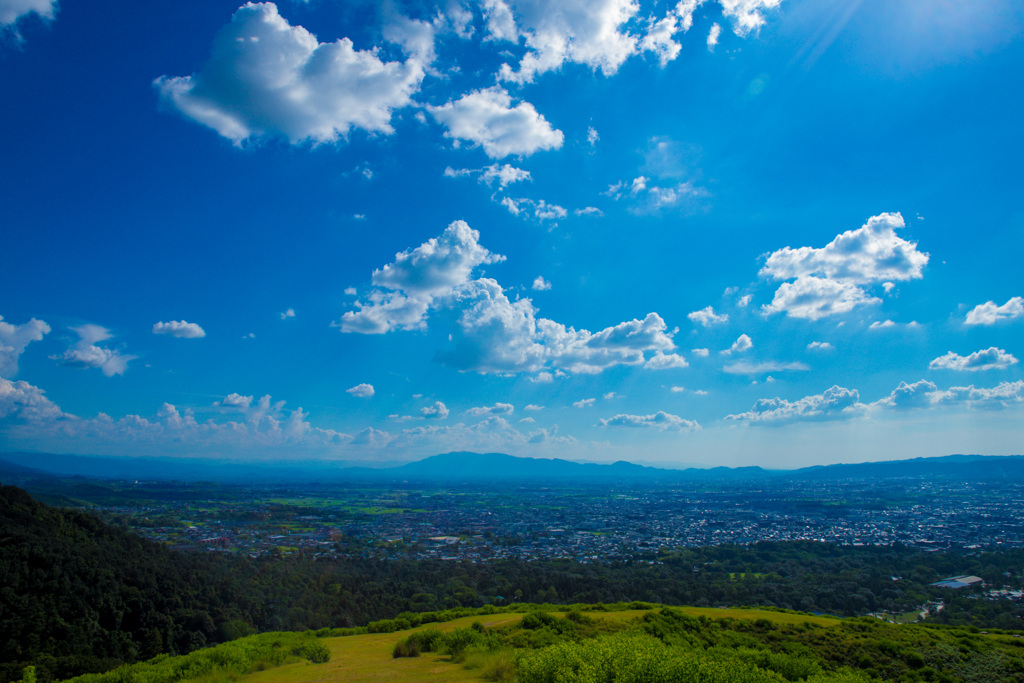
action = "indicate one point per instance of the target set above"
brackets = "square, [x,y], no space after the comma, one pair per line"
[80,595]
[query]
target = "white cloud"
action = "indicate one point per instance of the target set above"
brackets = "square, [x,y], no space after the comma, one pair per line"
[22,402]
[592,136]
[511,205]
[872,253]
[437,411]
[290,313]
[819,346]
[588,32]
[744,300]
[349,291]
[543,378]
[831,280]
[180,329]
[416,278]
[550,436]
[26,414]
[489,332]
[13,10]
[989,313]
[14,339]
[701,353]
[707,317]
[813,298]
[678,390]
[916,395]
[86,354]
[660,34]
[505,174]
[584,403]
[542,211]
[747,15]
[610,395]
[265,77]
[742,343]
[650,198]
[496,409]
[1004,395]
[532,407]
[988,359]
[589,211]
[659,420]
[749,368]
[363,390]
[234,400]
[834,403]
[665,361]
[528,420]
[540,284]
[487,118]
[713,34]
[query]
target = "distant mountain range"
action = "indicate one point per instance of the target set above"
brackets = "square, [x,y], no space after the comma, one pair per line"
[492,467]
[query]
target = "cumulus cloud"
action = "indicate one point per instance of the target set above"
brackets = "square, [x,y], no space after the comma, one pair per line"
[234,400]
[540,284]
[290,313]
[22,402]
[496,409]
[925,394]
[819,346]
[707,317]
[749,368]
[589,211]
[659,420]
[86,354]
[747,15]
[832,279]
[437,411]
[834,403]
[13,10]
[588,32]
[812,298]
[505,174]
[491,333]
[701,353]
[584,403]
[988,359]
[989,313]
[742,343]
[267,78]
[916,395]
[660,34]
[665,361]
[487,118]
[14,339]
[532,407]
[363,390]
[416,278]
[180,329]
[1004,395]
[25,413]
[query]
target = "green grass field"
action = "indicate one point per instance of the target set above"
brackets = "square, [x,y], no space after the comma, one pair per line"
[365,658]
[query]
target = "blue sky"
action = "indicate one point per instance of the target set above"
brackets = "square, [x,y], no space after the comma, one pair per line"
[733,232]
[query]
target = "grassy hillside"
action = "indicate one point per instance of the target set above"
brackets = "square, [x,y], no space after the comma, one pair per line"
[635,642]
